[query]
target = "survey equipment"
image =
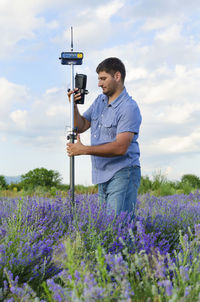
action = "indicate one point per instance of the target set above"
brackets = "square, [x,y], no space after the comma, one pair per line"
[71,59]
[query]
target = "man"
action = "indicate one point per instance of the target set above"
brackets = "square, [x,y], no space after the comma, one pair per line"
[114,119]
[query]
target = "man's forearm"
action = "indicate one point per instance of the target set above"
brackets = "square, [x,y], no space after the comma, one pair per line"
[115,148]
[105,150]
[79,121]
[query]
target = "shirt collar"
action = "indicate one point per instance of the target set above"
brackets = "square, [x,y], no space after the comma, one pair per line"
[118,100]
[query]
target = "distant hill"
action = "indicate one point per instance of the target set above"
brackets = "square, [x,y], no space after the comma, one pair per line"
[12,179]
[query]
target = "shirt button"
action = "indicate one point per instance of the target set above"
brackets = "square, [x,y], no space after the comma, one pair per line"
[99,126]
[95,135]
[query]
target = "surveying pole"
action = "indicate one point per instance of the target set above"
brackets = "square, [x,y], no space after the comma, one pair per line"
[72,58]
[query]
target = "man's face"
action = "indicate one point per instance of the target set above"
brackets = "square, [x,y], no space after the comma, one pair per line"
[108,83]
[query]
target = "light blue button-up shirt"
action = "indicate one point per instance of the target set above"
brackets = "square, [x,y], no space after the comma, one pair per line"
[107,121]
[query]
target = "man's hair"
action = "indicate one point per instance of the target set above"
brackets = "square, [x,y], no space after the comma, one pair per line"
[111,66]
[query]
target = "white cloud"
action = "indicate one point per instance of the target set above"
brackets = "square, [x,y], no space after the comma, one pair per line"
[10,95]
[179,114]
[45,116]
[2,126]
[170,34]
[3,138]
[157,23]
[105,12]
[19,21]
[178,144]
[138,73]
[176,87]
[93,25]
[159,14]
[19,117]
[54,110]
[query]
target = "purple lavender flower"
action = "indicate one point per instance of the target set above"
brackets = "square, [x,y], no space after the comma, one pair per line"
[184,272]
[167,285]
[32,231]
[187,291]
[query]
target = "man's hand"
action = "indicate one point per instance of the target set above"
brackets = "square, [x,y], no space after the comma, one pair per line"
[76,148]
[76,96]
[80,122]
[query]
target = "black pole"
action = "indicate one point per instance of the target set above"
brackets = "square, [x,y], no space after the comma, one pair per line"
[72,136]
[72,174]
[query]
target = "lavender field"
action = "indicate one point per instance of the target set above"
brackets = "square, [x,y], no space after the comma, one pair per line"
[52,251]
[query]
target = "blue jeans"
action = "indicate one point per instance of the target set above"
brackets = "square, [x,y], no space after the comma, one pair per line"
[120,192]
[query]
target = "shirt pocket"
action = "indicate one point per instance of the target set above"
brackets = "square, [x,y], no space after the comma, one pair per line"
[109,129]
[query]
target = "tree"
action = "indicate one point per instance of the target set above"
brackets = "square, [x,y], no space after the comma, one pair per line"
[3,183]
[192,180]
[41,177]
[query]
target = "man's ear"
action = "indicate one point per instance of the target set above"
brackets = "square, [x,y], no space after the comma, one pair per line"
[117,76]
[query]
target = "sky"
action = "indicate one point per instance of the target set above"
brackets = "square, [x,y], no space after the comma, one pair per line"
[159,43]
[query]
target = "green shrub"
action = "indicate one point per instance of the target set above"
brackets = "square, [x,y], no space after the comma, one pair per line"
[192,180]
[145,185]
[158,180]
[166,189]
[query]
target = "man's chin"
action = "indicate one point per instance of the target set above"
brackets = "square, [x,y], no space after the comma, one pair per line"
[107,93]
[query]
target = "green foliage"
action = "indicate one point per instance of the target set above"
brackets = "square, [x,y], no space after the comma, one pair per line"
[166,189]
[145,185]
[53,191]
[158,180]
[192,180]
[13,239]
[3,183]
[160,186]
[41,177]
[63,187]
[87,275]
[43,182]
[185,187]
[15,187]
[80,189]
